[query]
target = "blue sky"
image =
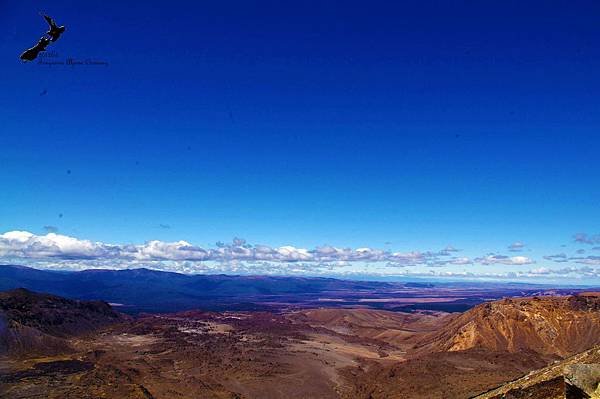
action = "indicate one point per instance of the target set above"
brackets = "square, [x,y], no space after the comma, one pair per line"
[402,127]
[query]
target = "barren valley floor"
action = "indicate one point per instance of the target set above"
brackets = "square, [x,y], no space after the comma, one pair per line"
[313,353]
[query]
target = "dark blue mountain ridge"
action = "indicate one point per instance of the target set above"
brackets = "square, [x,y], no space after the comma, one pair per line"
[146,290]
[153,290]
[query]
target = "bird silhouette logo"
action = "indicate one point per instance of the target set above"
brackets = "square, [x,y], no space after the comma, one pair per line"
[53,33]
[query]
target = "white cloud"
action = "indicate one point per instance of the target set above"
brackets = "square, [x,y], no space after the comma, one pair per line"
[584,238]
[520,260]
[158,250]
[461,261]
[504,260]
[27,245]
[289,253]
[59,251]
[22,244]
[516,246]
[588,260]
[450,248]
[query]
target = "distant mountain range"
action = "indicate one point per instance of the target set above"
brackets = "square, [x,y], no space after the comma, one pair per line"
[144,290]
[156,291]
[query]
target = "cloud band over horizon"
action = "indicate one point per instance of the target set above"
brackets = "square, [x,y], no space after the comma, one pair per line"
[23,244]
[58,251]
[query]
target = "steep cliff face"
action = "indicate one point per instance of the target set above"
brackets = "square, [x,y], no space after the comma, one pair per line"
[40,323]
[555,326]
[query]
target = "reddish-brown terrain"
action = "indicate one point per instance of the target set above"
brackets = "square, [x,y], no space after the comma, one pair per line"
[314,353]
[552,326]
[401,330]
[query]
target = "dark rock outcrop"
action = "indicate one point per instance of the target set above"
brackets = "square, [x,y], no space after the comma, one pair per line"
[34,323]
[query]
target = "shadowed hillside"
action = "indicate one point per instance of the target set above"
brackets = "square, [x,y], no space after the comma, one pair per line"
[39,323]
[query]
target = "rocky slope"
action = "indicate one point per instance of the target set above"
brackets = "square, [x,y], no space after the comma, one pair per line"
[33,323]
[549,326]
[445,375]
[324,353]
[577,376]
